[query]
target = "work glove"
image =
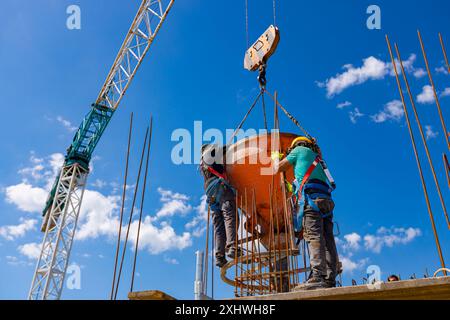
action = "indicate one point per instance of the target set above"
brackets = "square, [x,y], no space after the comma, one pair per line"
[276,155]
[289,187]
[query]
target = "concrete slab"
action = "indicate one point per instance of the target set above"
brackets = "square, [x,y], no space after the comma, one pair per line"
[417,289]
[150,295]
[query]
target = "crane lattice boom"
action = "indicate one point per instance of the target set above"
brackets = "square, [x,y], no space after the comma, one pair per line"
[64,202]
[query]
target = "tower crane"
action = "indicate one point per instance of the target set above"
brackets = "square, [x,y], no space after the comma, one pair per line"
[64,201]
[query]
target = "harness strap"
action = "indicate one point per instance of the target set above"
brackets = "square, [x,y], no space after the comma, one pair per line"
[214,172]
[304,198]
[309,172]
[318,186]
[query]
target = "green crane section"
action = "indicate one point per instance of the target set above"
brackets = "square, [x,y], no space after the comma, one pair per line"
[88,135]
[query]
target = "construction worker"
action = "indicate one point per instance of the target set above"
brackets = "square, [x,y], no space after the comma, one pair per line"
[393,278]
[313,185]
[222,202]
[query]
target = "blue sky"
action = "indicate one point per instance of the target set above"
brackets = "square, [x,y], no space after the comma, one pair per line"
[326,58]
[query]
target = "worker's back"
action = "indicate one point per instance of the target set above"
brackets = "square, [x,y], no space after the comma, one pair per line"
[301,159]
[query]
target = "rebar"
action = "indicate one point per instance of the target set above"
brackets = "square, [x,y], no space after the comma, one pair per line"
[444,52]
[438,245]
[422,135]
[141,209]
[436,98]
[122,205]
[131,214]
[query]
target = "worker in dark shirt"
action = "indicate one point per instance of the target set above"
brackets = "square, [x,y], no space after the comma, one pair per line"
[222,201]
[314,188]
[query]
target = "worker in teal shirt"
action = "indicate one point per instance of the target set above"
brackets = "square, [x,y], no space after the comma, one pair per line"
[317,208]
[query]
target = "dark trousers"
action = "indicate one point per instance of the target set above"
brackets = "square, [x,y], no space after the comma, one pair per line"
[318,233]
[224,223]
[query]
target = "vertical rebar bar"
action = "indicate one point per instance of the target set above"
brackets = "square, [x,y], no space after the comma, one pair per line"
[259,247]
[253,280]
[213,247]
[433,225]
[280,253]
[142,204]
[236,245]
[272,243]
[436,98]
[447,168]
[271,246]
[131,213]
[422,135]
[246,241]
[242,245]
[444,52]
[122,206]
[287,241]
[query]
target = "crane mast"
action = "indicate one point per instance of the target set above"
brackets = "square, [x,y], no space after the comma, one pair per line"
[64,202]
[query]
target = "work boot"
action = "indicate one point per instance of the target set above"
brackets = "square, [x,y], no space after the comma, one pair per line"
[312,284]
[221,261]
[330,284]
[232,253]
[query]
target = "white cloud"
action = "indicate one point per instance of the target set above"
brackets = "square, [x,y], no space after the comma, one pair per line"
[389,237]
[348,265]
[355,115]
[171,260]
[173,203]
[392,110]
[43,170]
[352,241]
[13,232]
[442,70]
[445,93]
[384,237]
[13,261]
[158,239]
[198,223]
[66,124]
[30,250]
[344,104]
[419,73]
[97,215]
[98,183]
[26,197]
[36,171]
[426,96]
[371,69]
[430,133]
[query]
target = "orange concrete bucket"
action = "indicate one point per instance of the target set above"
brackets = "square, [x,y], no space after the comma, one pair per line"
[248,167]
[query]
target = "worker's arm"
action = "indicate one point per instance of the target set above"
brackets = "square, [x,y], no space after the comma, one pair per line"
[281,166]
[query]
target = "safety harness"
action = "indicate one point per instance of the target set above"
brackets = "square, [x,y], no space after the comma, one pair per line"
[300,196]
[216,188]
